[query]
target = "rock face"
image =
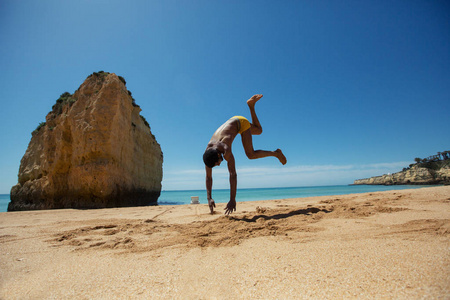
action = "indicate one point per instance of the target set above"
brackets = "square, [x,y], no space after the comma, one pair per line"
[433,173]
[94,151]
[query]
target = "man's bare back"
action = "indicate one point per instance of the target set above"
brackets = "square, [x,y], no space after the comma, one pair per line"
[224,134]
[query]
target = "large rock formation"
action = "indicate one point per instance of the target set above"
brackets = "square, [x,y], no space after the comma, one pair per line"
[93,151]
[428,173]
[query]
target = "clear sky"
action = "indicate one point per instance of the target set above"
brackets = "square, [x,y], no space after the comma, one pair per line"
[352,89]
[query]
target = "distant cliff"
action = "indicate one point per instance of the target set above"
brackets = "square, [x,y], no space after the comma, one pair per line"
[94,150]
[437,172]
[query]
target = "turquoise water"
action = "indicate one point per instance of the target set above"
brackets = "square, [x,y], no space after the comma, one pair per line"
[222,196]
[4,200]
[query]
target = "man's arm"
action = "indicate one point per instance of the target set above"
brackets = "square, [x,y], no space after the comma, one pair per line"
[209,181]
[231,206]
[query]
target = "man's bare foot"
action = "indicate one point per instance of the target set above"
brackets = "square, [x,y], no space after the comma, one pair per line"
[281,156]
[254,99]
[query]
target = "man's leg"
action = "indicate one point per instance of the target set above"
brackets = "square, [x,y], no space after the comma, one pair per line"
[247,142]
[256,128]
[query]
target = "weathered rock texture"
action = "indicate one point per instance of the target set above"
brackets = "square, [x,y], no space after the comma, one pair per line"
[94,151]
[430,173]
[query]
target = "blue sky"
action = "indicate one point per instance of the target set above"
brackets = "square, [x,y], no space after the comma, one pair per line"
[352,89]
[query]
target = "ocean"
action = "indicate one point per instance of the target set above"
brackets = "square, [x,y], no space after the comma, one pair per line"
[222,196]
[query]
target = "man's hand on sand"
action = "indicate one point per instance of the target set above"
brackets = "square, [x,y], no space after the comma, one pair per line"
[231,206]
[211,204]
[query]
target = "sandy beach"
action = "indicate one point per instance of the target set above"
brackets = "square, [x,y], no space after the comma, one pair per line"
[392,244]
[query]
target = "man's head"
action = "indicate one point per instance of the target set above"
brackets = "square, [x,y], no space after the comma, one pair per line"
[212,158]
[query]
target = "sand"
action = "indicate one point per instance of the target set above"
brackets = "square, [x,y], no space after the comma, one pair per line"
[392,244]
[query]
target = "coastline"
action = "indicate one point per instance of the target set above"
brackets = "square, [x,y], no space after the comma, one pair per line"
[391,244]
[179,197]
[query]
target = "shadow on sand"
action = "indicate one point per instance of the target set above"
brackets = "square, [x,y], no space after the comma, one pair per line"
[307,211]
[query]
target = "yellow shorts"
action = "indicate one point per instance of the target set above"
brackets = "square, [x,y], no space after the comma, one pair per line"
[244,124]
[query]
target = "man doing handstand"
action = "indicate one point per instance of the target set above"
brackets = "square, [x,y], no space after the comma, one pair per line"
[219,148]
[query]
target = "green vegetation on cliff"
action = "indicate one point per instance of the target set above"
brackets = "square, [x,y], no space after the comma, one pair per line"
[66,98]
[434,169]
[434,162]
